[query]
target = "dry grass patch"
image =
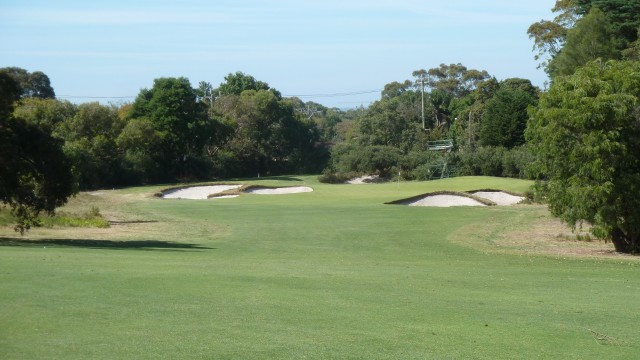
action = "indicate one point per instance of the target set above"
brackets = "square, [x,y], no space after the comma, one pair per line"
[533,231]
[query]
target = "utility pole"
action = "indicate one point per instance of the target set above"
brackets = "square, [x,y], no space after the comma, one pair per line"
[422,83]
[421,73]
[469,129]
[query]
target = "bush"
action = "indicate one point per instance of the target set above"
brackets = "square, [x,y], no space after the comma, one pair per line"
[495,161]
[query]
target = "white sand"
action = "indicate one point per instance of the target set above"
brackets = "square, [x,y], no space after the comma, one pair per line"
[446,201]
[280,191]
[363,180]
[499,197]
[197,192]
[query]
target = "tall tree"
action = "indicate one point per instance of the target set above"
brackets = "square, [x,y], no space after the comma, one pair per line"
[181,121]
[235,84]
[36,84]
[591,38]
[586,133]
[550,36]
[35,175]
[505,116]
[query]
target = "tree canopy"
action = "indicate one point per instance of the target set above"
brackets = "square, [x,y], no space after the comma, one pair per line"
[586,134]
[35,174]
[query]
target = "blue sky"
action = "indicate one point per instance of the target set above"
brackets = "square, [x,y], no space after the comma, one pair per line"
[113,49]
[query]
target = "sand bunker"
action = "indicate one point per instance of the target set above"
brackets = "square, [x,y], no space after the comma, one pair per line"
[454,198]
[278,191]
[212,191]
[446,201]
[499,197]
[198,192]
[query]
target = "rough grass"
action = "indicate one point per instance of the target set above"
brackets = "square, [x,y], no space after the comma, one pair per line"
[330,274]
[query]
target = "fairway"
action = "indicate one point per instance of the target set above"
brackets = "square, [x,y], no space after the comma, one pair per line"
[329,274]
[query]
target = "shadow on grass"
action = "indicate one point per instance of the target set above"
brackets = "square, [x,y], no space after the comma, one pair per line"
[103,244]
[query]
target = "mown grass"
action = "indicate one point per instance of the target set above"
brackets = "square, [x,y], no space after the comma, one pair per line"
[329,274]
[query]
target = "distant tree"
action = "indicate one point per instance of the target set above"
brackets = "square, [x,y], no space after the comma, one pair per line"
[139,144]
[90,144]
[395,88]
[590,39]
[48,114]
[36,84]
[268,137]
[586,134]
[235,84]
[455,79]
[505,115]
[181,121]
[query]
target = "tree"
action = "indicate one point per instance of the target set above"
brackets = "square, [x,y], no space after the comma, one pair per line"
[586,134]
[505,116]
[35,175]
[90,136]
[236,83]
[181,121]
[48,114]
[590,39]
[36,84]
[550,36]
[454,79]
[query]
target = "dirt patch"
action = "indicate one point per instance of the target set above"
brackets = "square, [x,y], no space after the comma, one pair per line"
[367,179]
[534,232]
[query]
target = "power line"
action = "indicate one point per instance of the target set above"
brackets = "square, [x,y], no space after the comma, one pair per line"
[336,94]
[342,94]
[93,97]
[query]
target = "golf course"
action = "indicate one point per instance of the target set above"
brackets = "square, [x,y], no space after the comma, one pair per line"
[333,273]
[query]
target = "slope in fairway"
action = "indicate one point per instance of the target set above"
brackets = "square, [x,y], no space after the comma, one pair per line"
[333,273]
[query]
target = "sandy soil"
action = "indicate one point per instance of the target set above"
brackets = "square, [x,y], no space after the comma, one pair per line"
[197,192]
[364,180]
[446,201]
[280,191]
[499,197]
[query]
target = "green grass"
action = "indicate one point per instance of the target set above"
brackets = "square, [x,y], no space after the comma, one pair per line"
[329,274]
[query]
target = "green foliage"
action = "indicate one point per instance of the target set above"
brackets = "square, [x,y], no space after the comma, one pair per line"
[90,136]
[31,85]
[239,82]
[90,219]
[181,122]
[603,38]
[48,114]
[590,39]
[35,174]
[376,159]
[266,136]
[586,134]
[495,161]
[505,117]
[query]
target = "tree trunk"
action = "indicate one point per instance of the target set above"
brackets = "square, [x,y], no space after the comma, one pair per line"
[628,244]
